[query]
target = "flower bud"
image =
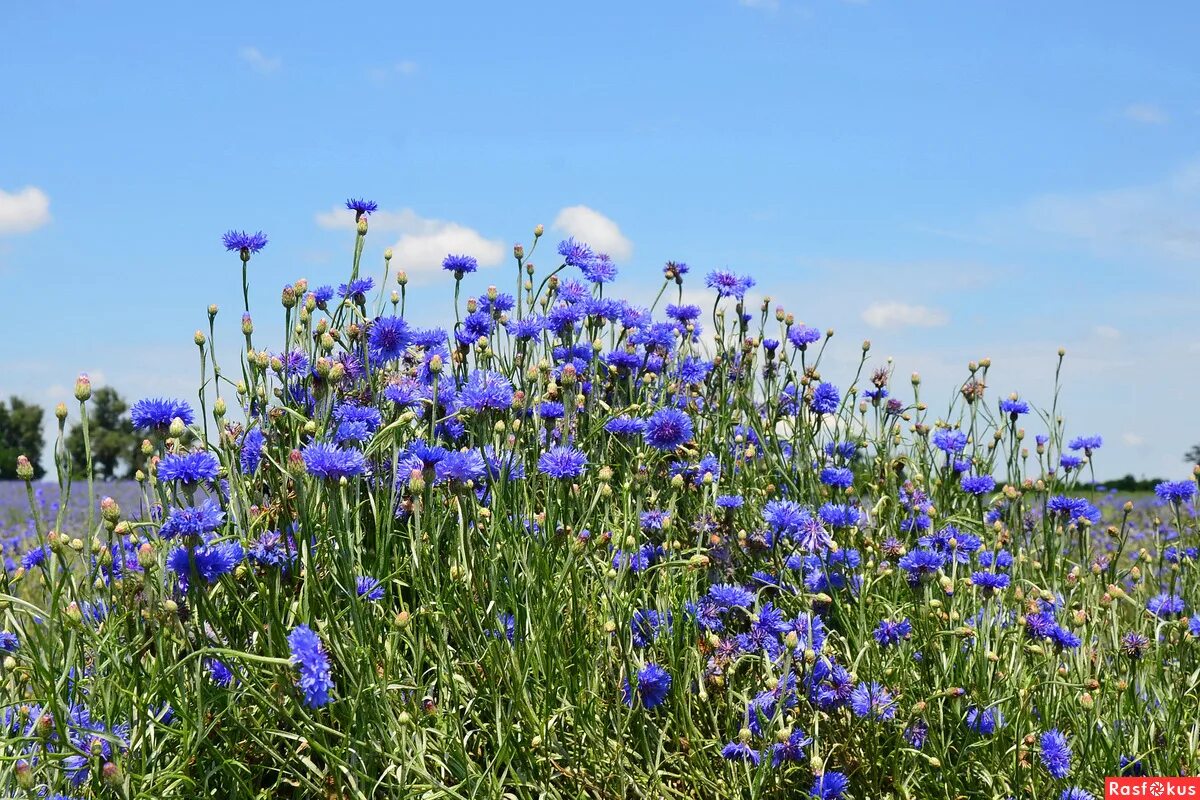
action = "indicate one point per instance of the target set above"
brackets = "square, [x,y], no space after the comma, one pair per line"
[538,230]
[83,388]
[24,468]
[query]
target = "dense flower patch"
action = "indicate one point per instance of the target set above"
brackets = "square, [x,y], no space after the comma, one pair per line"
[571,546]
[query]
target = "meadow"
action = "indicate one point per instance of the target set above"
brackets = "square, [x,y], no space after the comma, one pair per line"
[572,547]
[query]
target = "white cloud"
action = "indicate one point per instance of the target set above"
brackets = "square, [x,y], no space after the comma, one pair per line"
[1159,220]
[1133,439]
[1107,332]
[403,68]
[902,315]
[1146,114]
[423,243]
[258,61]
[598,231]
[23,211]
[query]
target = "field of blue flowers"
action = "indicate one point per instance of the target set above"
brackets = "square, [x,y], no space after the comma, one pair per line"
[572,547]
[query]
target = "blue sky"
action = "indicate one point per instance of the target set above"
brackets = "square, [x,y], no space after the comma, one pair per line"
[950,180]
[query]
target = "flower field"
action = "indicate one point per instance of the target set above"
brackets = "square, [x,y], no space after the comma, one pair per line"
[568,546]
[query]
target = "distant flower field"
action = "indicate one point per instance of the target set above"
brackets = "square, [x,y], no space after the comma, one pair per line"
[572,547]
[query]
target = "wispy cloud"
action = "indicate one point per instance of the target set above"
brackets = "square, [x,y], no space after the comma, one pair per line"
[24,210]
[892,314]
[598,231]
[258,61]
[1159,220]
[1146,114]
[423,242]
[763,5]
[1107,332]
[400,69]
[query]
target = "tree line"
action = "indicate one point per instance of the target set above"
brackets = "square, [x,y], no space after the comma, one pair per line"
[116,444]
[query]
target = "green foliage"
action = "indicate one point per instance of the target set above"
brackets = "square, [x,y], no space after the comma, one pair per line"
[20,435]
[1131,484]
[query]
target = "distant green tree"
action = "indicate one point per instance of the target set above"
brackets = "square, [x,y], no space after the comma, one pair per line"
[1192,456]
[20,435]
[113,441]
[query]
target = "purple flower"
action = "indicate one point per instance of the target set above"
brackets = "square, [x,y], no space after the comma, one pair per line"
[244,243]
[562,462]
[667,429]
[315,675]
[460,265]
[653,684]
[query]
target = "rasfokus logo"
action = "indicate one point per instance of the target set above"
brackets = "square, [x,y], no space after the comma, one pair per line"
[1151,787]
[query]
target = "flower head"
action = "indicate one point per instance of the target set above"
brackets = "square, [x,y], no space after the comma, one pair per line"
[332,463]
[361,207]
[245,243]
[388,338]
[189,468]
[156,413]
[653,684]
[460,265]
[562,462]
[1055,753]
[667,429]
[315,675]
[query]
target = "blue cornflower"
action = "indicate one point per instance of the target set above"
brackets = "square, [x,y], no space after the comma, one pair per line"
[730,501]
[1165,605]
[667,429]
[825,399]
[361,207]
[839,516]
[785,516]
[921,564]
[252,450]
[34,557]
[507,629]
[727,596]
[653,684]
[985,721]
[801,336]
[193,520]
[485,389]
[9,642]
[388,338]
[737,750]
[308,654]
[600,270]
[828,785]
[356,290]
[888,633]
[990,582]
[156,413]
[527,328]
[1134,645]
[368,588]
[1056,753]
[460,265]
[916,732]
[1069,462]
[839,477]
[1073,508]
[1175,491]
[949,440]
[322,295]
[872,701]
[728,284]
[209,561]
[355,423]
[790,750]
[460,466]
[330,462]
[575,254]
[245,243]
[1075,793]
[1086,443]
[189,468]
[1194,625]
[562,462]
[977,484]
[646,625]
[219,673]
[1013,407]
